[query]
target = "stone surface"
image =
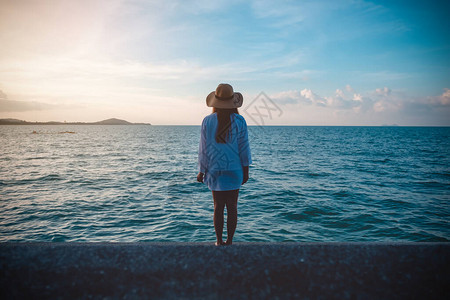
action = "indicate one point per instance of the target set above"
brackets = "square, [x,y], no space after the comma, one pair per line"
[241,271]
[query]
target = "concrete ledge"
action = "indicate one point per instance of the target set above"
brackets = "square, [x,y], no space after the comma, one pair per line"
[241,271]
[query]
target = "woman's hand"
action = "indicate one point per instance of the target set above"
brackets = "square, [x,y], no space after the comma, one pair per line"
[245,170]
[200,176]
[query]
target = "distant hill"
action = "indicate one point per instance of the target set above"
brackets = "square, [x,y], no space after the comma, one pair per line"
[112,121]
[11,121]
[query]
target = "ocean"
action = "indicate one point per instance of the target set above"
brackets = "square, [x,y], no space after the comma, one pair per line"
[94,183]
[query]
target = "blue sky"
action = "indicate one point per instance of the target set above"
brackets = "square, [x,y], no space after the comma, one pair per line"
[320,62]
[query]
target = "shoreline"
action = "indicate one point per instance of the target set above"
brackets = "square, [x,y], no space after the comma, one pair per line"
[243,270]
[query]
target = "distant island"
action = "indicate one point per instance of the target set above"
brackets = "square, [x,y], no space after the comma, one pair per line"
[112,121]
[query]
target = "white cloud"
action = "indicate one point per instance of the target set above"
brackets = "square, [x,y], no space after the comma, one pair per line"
[343,100]
[445,97]
[340,93]
[290,97]
[79,80]
[349,89]
[441,100]
[3,96]
[22,106]
[7,105]
[49,27]
[377,107]
[283,14]
[314,98]
[385,75]
[385,100]
[357,97]
[383,91]
[380,101]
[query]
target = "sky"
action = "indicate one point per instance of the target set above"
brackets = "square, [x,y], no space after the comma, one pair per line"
[349,62]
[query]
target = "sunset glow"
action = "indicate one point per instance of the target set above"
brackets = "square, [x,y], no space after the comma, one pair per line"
[321,62]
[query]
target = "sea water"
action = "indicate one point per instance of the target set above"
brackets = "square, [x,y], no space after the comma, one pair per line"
[138,183]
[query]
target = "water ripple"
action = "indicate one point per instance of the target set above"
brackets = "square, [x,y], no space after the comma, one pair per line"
[137,183]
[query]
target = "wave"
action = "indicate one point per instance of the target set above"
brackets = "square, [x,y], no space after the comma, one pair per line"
[306,184]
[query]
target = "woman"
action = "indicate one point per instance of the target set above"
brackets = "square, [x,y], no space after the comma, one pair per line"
[224,156]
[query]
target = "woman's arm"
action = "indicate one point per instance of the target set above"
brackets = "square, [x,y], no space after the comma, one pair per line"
[244,146]
[244,151]
[202,161]
[200,176]
[245,169]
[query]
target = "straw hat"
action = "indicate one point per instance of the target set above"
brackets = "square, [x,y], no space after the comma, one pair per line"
[224,97]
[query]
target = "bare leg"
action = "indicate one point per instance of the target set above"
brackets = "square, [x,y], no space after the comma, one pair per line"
[228,198]
[231,204]
[219,205]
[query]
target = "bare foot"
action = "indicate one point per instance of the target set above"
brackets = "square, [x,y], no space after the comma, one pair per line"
[220,243]
[228,243]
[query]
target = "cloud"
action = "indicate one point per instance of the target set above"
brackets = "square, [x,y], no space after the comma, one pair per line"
[289,97]
[386,100]
[90,80]
[343,100]
[383,92]
[304,97]
[385,75]
[3,96]
[287,14]
[377,101]
[441,100]
[376,107]
[340,100]
[20,106]
[293,97]
[52,27]
[314,98]
[7,105]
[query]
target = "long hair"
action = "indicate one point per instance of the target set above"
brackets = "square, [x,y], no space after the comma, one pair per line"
[223,133]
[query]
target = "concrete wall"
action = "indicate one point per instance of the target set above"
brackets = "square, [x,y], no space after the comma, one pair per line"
[241,271]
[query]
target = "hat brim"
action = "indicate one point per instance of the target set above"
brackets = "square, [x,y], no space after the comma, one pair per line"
[235,102]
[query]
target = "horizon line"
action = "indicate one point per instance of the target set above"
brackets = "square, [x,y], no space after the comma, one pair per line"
[152,124]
